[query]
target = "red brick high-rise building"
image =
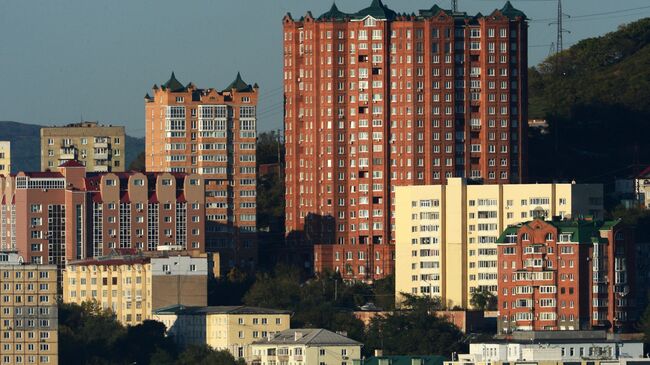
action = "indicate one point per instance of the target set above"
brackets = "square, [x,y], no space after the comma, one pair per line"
[211,133]
[567,275]
[377,99]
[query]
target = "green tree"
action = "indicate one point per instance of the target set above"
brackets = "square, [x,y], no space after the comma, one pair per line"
[138,164]
[204,355]
[413,332]
[483,300]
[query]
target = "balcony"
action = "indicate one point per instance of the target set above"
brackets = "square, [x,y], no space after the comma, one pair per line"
[101,168]
[66,156]
[101,156]
[103,144]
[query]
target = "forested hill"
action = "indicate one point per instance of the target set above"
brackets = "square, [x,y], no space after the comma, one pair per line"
[26,143]
[596,98]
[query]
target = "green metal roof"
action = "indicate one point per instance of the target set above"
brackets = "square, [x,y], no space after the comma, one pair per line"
[406,360]
[376,10]
[173,85]
[511,12]
[333,14]
[582,231]
[239,85]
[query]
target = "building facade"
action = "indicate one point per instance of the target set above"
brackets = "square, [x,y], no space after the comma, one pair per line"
[5,158]
[211,133]
[447,234]
[306,346]
[28,312]
[57,216]
[98,147]
[572,347]
[134,285]
[376,99]
[566,275]
[231,328]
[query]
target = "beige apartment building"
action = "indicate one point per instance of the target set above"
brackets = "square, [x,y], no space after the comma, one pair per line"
[231,328]
[446,234]
[5,158]
[98,147]
[28,312]
[306,346]
[132,285]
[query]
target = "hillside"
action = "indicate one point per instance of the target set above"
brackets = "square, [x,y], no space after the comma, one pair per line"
[25,145]
[596,98]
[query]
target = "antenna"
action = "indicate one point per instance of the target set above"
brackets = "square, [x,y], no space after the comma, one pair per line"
[454,6]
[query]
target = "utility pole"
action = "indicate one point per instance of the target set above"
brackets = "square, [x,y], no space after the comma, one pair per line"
[559,42]
[454,6]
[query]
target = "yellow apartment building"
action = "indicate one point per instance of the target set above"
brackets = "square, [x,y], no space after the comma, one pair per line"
[446,234]
[305,346]
[100,148]
[28,312]
[132,286]
[232,328]
[5,158]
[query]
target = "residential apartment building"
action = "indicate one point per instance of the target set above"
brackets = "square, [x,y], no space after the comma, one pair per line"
[447,234]
[5,158]
[28,312]
[306,346]
[231,328]
[98,147]
[378,99]
[554,348]
[567,275]
[132,285]
[211,133]
[56,216]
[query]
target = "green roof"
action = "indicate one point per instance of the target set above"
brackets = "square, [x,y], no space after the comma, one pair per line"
[511,12]
[435,9]
[173,85]
[376,10]
[238,85]
[582,231]
[406,360]
[333,14]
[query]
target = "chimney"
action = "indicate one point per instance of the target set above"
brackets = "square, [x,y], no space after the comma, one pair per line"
[379,352]
[297,335]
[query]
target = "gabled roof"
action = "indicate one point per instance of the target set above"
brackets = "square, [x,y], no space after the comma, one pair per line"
[511,12]
[435,9]
[173,84]
[376,10]
[333,14]
[238,85]
[309,336]
[644,174]
[406,360]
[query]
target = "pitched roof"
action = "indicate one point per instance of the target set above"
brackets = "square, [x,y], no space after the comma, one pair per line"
[309,336]
[511,12]
[181,309]
[376,10]
[333,14]
[173,84]
[239,85]
[71,163]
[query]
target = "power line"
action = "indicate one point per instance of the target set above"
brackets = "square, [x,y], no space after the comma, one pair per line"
[593,14]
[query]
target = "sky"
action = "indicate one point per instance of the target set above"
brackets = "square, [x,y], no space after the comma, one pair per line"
[63,61]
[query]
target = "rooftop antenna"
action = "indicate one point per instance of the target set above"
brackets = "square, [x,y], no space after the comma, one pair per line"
[454,6]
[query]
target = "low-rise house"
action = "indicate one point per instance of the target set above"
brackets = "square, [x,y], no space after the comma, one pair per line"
[307,346]
[231,328]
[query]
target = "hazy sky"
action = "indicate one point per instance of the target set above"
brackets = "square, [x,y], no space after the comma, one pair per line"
[64,60]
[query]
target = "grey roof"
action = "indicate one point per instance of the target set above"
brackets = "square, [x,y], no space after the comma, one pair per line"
[309,336]
[240,309]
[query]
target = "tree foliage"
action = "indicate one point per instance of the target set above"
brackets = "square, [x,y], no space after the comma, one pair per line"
[483,299]
[414,331]
[596,99]
[89,334]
